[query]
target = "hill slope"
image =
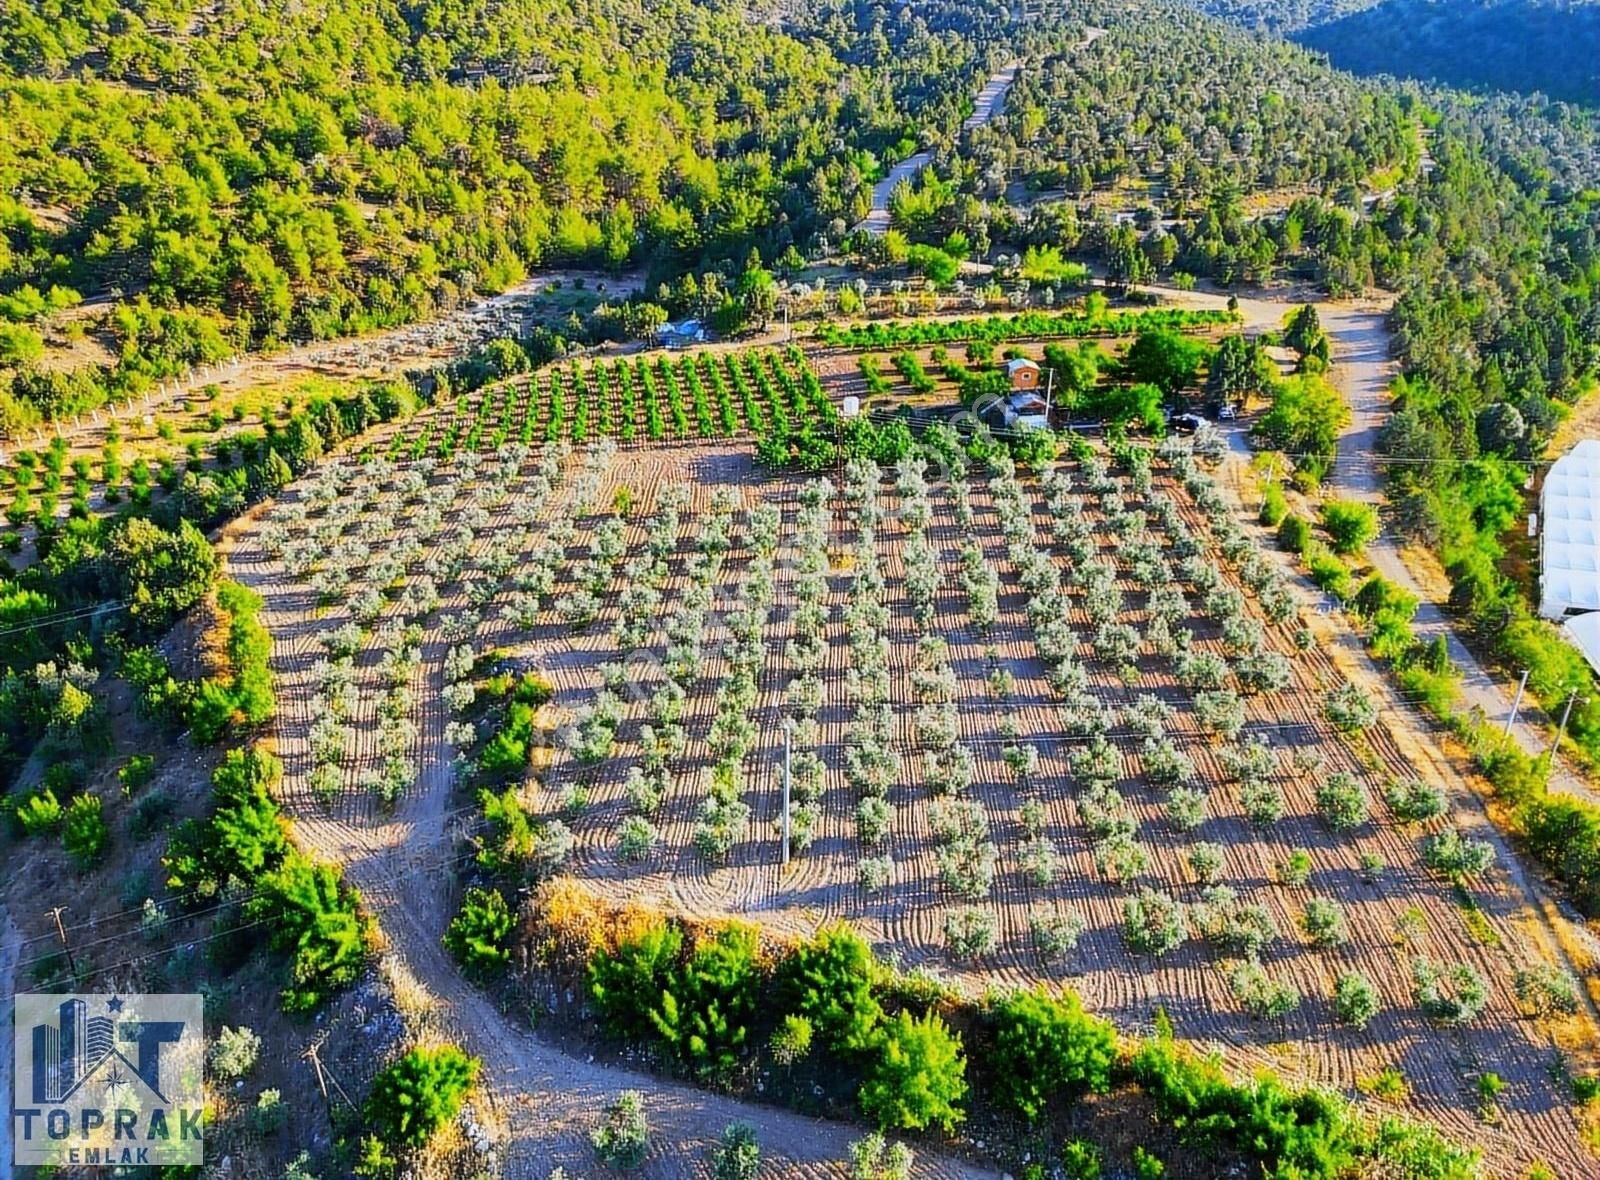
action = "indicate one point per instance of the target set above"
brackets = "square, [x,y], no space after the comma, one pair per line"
[1520,45]
[1516,45]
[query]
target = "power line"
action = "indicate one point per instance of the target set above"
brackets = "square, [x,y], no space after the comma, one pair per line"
[235,899]
[66,616]
[411,871]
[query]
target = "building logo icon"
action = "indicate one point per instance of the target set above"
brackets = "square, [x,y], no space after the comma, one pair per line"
[108,1080]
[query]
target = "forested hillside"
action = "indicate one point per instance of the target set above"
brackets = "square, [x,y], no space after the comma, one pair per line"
[240,174]
[248,173]
[1549,46]
[1519,45]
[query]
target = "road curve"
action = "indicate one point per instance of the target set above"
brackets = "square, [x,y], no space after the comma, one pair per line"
[1363,367]
[990,101]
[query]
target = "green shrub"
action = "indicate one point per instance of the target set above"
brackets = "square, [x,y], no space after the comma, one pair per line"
[85,833]
[532,689]
[1451,994]
[1379,595]
[622,1140]
[918,1079]
[1562,831]
[243,697]
[1324,922]
[874,1158]
[1274,505]
[315,918]
[1350,709]
[626,985]
[269,1115]
[1423,1153]
[479,933]
[1452,855]
[245,836]
[511,746]
[418,1093]
[1147,1166]
[1294,534]
[39,812]
[1295,869]
[738,1155]
[710,1001]
[1546,990]
[1305,1134]
[828,981]
[1263,997]
[1080,1160]
[1048,1048]
[1153,922]
[1327,570]
[136,774]
[1350,525]
[1355,999]
[234,1053]
[970,932]
[1342,802]
[1436,693]
[791,1040]
[1413,800]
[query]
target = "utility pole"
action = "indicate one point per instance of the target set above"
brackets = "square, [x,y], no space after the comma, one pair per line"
[324,1076]
[1561,730]
[788,734]
[1516,703]
[61,932]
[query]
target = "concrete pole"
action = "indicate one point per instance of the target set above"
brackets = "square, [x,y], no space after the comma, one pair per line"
[1561,730]
[1516,703]
[788,733]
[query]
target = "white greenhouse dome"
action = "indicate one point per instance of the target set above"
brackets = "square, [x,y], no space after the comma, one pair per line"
[1569,548]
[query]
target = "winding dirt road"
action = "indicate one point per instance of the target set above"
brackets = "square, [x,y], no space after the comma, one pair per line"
[990,101]
[1362,370]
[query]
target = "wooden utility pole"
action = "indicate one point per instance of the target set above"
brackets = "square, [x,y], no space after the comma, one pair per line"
[61,932]
[324,1076]
[322,1083]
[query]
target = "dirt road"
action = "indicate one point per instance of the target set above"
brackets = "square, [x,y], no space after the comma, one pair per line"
[10,948]
[1363,368]
[990,101]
